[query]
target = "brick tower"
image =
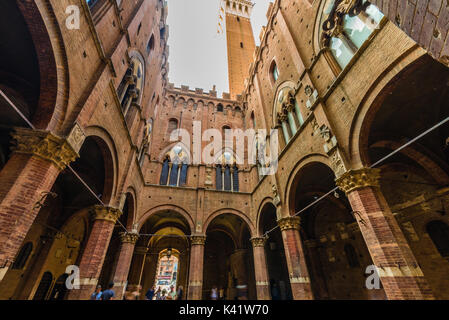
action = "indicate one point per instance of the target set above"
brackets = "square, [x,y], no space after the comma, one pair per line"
[240,42]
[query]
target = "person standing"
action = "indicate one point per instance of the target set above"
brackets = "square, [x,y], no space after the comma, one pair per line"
[158,293]
[150,293]
[214,293]
[108,294]
[179,294]
[97,294]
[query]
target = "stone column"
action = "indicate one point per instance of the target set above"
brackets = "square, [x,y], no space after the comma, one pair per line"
[294,254]
[195,290]
[128,240]
[95,251]
[25,182]
[260,268]
[397,267]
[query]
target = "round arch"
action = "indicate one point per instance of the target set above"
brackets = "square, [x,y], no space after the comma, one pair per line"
[109,152]
[141,221]
[235,212]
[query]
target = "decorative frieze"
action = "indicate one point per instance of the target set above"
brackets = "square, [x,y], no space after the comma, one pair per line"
[357,179]
[258,241]
[288,223]
[105,213]
[198,240]
[44,145]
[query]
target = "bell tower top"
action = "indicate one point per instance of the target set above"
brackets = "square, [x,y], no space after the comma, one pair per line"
[241,8]
[239,41]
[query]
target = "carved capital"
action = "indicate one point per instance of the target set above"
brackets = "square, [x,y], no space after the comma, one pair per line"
[357,179]
[129,237]
[288,223]
[44,145]
[198,240]
[258,241]
[105,213]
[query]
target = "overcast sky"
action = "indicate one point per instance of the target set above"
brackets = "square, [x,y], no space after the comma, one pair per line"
[197,53]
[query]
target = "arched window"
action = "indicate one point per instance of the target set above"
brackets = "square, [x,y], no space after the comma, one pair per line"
[150,45]
[274,72]
[165,169]
[439,233]
[22,256]
[174,168]
[220,107]
[345,33]
[172,125]
[227,178]
[253,120]
[288,113]
[44,286]
[351,256]
[130,89]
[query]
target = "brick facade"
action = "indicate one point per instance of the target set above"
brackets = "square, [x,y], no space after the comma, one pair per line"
[112,126]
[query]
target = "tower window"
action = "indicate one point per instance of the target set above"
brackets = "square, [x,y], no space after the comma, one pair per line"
[241,44]
[274,71]
[238,19]
[150,45]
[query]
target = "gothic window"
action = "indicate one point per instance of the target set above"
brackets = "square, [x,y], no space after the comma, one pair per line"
[174,168]
[351,256]
[253,120]
[227,178]
[288,113]
[345,28]
[22,256]
[172,125]
[164,174]
[130,89]
[439,233]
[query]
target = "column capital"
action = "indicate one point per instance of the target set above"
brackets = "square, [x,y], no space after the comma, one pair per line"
[129,237]
[258,241]
[45,145]
[357,179]
[198,239]
[288,223]
[105,213]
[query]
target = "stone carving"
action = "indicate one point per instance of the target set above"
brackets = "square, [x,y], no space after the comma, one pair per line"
[76,137]
[208,181]
[258,241]
[288,223]
[105,213]
[332,26]
[44,145]
[337,163]
[356,179]
[198,240]
[129,237]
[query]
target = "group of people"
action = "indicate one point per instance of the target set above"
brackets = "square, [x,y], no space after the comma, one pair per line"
[152,294]
[162,294]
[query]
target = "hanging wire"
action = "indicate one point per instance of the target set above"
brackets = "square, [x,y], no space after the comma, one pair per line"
[439,124]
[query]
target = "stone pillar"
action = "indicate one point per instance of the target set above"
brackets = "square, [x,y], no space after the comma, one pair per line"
[195,290]
[397,267]
[25,182]
[128,240]
[294,254]
[260,268]
[95,251]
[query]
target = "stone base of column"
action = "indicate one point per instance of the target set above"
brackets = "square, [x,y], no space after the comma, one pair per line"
[263,291]
[195,292]
[301,289]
